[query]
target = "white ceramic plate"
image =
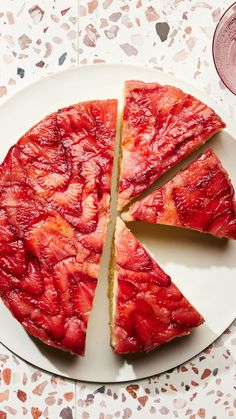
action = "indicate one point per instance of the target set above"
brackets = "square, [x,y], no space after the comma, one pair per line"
[203,267]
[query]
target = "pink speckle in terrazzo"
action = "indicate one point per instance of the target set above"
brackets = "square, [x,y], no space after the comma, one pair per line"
[205,373]
[107,3]
[64,11]
[216,14]
[127,413]
[71,35]
[35,376]
[92,5]
[6,376]
[57,39]
[35,412]
[125,20]
[180,55]
[22,396]
[4,396]
[179,403]
[91,36]
[111,32]
[24,41]
[104,23]
[129,50]
[191,42]
[195,370]
[50,400]
[36,13]
[201,5]
[68,396]
[82,11]
[10,18]
[201,413]
[10,410]
[137,39]
[114,17]
[143,400]
[3,91]
[39,389]
[151,14]
[164,410]
[48,51]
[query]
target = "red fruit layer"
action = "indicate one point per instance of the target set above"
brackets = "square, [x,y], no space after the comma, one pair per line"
[149,309]
[161,126]
[200,197]
[54,207]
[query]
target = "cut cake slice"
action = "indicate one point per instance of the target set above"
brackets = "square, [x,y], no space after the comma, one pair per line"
[161,126]
[201,197]
[147,309]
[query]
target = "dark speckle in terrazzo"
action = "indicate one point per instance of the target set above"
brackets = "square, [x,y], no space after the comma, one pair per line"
[100,390]
[20,72]
[66,413]
[162,30]
[40,64]
[89,400]
[132,390]
[62,58]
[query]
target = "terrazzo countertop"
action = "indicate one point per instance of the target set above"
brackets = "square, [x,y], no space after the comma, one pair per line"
[39,37]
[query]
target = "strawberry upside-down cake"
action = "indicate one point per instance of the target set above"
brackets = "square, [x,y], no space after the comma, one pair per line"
[55,186]
[54,206]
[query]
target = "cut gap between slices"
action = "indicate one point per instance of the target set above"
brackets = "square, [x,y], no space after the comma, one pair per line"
[98,311]
[214,142]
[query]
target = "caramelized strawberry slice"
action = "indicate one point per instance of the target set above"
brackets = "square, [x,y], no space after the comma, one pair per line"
[83,294]
[161,126]
[51,240]
[201,197]
[44,158]
[145,312]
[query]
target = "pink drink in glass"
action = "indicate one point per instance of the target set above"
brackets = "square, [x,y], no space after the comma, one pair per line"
[224,48]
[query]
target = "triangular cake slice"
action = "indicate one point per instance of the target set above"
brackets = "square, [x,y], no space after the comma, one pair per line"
[147,309]
[54,207]
[201,197]
[161,126]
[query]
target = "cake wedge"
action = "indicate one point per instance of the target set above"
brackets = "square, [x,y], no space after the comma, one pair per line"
[161,126]
[200,197]
[147,309]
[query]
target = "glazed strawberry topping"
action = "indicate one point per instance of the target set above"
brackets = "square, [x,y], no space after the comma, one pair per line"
[161,126]
[54,208]
[200,197]
[149,309]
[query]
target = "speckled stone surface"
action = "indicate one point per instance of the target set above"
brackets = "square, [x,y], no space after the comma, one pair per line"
[40,37]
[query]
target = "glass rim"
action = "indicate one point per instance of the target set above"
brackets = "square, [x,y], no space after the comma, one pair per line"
[213,45]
